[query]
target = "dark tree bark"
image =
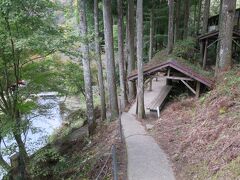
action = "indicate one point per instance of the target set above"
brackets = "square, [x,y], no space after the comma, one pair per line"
[151,31]
[186,18]
[122,74]
[86,66]
[140,89]
[170,26]
[224,60]
[177,32]
[220,11]
[199,16]
[130,39]
[194,18]
[23,156]
[206,16]
[99,61]
[108,36]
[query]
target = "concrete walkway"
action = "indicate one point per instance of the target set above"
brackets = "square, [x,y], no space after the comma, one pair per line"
[146,160]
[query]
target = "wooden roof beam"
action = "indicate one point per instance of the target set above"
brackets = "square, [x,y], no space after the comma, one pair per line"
[179,78]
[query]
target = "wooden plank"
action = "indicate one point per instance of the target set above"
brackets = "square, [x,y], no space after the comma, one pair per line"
[152,104]
[157,102]
[189,87]
[163,95]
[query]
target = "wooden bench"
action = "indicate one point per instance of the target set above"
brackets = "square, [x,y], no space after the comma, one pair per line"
[157,103]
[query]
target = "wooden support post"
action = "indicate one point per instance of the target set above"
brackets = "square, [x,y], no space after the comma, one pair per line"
[169,81]
[201,50]
[136,99]
[198,88]
[137,105]
[168,72]
[158,112]
[205,54]
[238,21]
[150,84]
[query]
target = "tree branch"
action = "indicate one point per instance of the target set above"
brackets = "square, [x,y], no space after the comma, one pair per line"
[36,58]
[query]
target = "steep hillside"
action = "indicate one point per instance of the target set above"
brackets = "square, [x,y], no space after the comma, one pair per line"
[202,137]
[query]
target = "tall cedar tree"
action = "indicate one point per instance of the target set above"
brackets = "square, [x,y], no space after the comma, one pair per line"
[140,89]
[170,26]
[186,18]
[122,75]
[130,39]
[99,61]
[151,31]
[111,79]
[199,16]
[86,65]
[177,32]
[206,16]
[224,58]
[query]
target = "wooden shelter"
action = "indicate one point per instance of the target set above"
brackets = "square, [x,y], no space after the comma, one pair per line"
[173,71]
[210,38]
[177,71]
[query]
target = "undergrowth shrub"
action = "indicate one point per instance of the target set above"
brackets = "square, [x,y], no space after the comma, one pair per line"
[47,163]
[186,49]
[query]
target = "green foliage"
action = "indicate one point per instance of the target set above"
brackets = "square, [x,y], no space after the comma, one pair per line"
[162,56]
[40,163]
[185,49]
[72,74]
[231,85]
[230,171]
[29,33]
[200,170]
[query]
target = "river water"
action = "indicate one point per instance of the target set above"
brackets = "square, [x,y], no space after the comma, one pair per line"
[44,122]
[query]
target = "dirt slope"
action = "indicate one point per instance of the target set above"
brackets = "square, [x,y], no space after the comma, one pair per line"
[202,137]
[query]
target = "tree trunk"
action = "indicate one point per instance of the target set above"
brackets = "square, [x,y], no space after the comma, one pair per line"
[170,26]
[177,20]
[23,156]
[99,61]
[108,36]
[186,18]
[131,58]
[206,16]
[194,19]
[121,56]
[140,89]
[226,24]
[86,66]
[199,16]
[150,53]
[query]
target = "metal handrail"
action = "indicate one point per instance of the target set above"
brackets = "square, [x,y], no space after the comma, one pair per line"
[112,156]
[105,164]
[114,163]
